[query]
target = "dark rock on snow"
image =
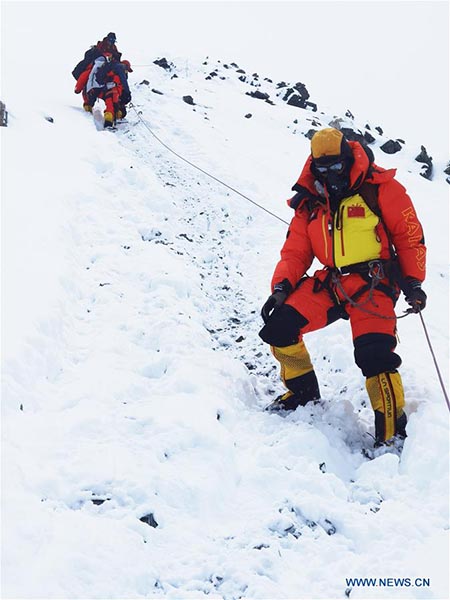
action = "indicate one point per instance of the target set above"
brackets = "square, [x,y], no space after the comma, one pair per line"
[189,100]
[296,100]
[162,62]
[391,146]
[149,520]
[352,135]
[300,88]
[98,501]
[298,96]
[427,169]
[3,115]
[258,94]
[309,134]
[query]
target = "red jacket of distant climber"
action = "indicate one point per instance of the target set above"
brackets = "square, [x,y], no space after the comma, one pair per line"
[111,76]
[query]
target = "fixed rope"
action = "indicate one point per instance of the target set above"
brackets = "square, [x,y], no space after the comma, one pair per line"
[202,170]
[441,381]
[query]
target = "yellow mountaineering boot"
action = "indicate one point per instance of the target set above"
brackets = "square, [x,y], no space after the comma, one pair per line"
[388,400]
[87,107]
[109,119]
[298,376]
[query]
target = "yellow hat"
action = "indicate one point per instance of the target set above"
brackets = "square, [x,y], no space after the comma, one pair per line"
[327,142]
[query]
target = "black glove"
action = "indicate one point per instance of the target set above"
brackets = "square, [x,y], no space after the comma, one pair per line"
[280,292]
[414,295]
[126,97]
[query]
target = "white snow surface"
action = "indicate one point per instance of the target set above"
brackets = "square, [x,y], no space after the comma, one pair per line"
[133,374]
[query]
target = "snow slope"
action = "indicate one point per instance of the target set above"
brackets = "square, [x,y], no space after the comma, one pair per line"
[134,378]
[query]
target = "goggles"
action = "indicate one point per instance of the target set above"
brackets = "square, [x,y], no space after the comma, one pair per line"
[336,167]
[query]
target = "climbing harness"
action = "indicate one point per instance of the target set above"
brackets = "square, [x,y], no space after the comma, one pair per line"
[374,271]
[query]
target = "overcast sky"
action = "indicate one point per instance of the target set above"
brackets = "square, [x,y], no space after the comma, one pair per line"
[388,61]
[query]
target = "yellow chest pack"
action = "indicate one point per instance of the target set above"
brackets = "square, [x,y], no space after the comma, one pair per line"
[354,235]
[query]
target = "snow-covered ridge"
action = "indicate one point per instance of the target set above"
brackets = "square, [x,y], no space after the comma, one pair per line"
[138,461]
[309,115]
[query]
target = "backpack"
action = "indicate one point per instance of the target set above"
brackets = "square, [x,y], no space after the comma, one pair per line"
[101,74]
[369,193]
[89,57]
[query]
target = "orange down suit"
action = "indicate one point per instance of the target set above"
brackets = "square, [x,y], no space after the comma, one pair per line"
[352,235]
[355,243]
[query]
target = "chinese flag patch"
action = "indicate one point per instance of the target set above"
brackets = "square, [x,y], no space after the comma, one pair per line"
[355,211]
